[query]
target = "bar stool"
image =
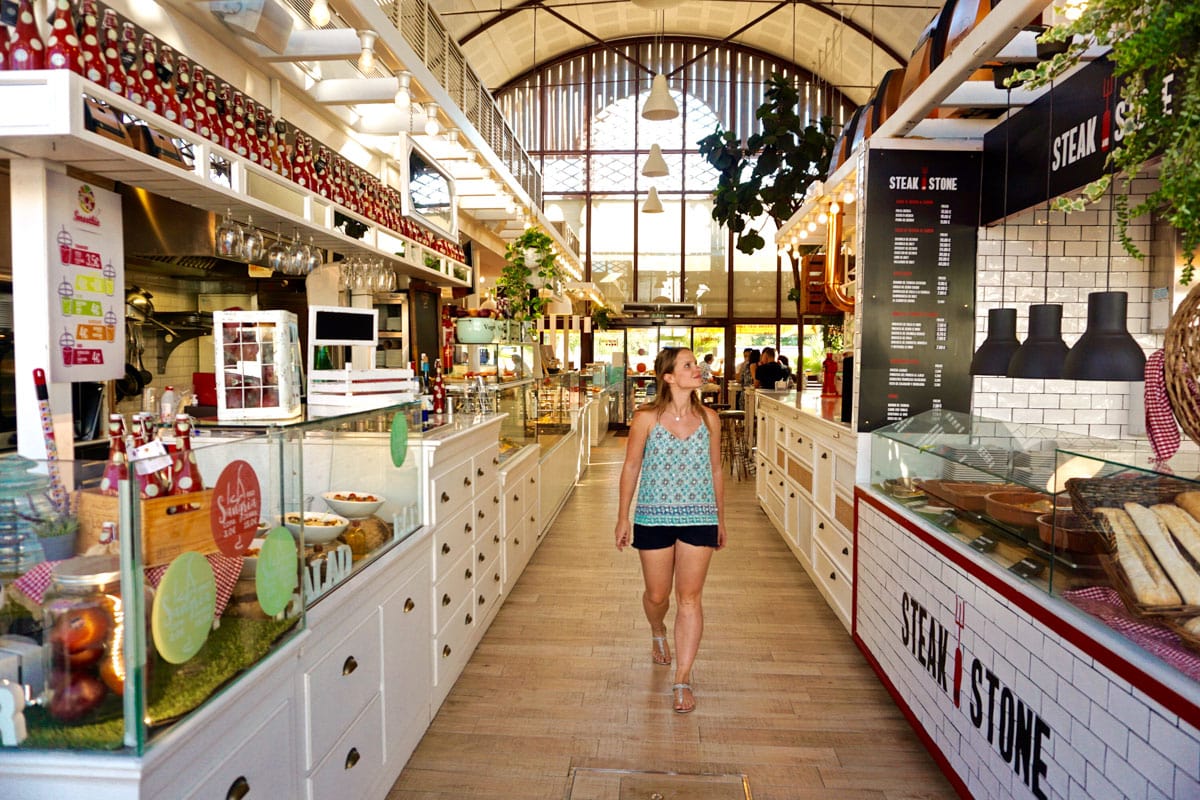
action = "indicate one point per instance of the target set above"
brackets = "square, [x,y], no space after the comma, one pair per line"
[733,443]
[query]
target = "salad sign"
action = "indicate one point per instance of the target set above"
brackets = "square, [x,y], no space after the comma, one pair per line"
[276,578]
[183,608]
[84,281]
[236,508]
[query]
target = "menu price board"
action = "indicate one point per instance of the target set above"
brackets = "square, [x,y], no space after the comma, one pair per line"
[86,286]
[918,272]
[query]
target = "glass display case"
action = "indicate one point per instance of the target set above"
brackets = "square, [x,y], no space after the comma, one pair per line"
[1095,522]
[138,615]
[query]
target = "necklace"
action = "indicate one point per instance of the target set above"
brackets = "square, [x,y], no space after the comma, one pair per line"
[679,415]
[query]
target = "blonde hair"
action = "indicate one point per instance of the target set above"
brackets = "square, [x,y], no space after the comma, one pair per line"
[664,364]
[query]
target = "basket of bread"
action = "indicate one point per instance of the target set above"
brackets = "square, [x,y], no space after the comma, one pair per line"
[1151,529]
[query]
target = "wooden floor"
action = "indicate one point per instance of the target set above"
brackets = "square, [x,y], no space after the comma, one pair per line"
[563,678]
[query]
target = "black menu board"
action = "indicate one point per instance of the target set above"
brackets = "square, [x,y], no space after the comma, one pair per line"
[917,267]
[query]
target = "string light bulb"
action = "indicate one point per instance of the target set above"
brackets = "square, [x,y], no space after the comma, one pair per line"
[403,97]
[366,59]
[848,197]
[823,217]
[811,227]
[432,126]
[834,207]
[803,233]
[319,14]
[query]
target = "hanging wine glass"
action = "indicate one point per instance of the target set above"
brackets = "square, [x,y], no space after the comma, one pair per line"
[252,242]
[277,254]
[297,255]
[315,257]
[229,236]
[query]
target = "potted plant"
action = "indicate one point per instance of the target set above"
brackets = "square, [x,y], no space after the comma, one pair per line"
[771,173]
[530,265]
[602,317]
[57,533]
[1154,48]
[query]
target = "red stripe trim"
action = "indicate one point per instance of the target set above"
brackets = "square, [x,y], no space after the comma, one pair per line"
[1168,698]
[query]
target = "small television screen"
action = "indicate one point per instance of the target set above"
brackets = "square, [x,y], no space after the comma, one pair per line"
[345,326]
[429,195]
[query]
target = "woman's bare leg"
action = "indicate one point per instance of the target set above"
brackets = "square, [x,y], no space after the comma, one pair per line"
[691,568]
[658,568]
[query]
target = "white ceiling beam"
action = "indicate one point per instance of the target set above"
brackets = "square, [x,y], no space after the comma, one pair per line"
[350,91]
[327,44]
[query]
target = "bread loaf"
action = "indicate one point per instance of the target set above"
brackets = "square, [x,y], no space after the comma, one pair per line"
[1192,626]
[1189,502]
[1182,525]
[1147,581]
[1189,523]
[1163,546]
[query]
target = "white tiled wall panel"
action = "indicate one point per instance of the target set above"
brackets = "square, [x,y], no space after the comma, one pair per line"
[1102,737]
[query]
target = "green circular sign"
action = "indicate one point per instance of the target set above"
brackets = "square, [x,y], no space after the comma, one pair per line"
[183,608]
[276,579]
[399,438]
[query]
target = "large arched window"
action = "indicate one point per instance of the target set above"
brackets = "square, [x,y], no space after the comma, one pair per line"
[579,119]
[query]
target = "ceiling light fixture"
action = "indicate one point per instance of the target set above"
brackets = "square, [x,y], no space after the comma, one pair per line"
[366,59]
[848,197]
[660,105]
[652,205]
[432,126]
[403,97]
[656,165]
[319,14]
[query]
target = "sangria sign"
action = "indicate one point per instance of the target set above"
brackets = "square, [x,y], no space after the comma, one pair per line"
[1008,723]
[85,283]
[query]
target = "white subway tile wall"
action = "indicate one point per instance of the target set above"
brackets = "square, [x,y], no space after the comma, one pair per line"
[1032,269]
[1103,738]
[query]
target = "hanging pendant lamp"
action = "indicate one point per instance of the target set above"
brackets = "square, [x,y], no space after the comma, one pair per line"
[1106,351]
[652,205]
[656,165]
[1043,353]
[1001,343]
[659,105]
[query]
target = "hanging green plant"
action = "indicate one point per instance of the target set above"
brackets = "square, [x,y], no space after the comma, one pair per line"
[602,317]
[1154,48]
[530,265]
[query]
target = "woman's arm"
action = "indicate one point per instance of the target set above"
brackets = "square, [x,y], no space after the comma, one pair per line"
[718,474]
[639,430]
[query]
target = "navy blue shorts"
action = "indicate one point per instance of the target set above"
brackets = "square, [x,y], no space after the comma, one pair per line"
[660,537]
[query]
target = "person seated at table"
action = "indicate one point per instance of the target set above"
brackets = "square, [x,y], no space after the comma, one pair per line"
[769,372]
[787,369]
[708,385]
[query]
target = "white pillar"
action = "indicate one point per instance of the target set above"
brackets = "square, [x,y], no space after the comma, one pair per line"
[31,310]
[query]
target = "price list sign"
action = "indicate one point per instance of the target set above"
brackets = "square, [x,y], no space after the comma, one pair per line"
[918,274]
[86,281]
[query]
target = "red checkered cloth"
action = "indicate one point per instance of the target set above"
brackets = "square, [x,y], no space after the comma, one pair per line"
[34,583]
[1161,427]
[1105,604]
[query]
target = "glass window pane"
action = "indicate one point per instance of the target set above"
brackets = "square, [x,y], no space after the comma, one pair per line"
[612,253]
[658,261]
[710,340]
[564,174]
[613,172]
[755,275]
[789,346]
[643,347]
[606,343]
[705,275]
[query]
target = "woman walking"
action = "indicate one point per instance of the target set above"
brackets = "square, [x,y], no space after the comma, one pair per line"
[679,521]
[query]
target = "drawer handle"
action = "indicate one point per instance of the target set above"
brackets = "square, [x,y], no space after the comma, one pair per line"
[480,514]
[791,494]
[496,577]
[481,557]
[409,605]
[824,456]
[445,497]
[352,758]
[495,538]
[833,576]
[517,542]
[467,528]
[495,499]
[533,519]
[479,471]
[445,599]
[238,789]
[845,551]
[467,481]
[445,549]
[516,497]
[446,651]
[533,480]
[468,574]
[468,619]
[821,525]
[482,599]
[349,665]
[496,460]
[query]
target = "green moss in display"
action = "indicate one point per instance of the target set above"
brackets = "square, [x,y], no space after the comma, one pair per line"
[175,690]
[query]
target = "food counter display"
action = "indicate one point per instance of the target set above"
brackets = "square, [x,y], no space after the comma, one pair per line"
[1030,598]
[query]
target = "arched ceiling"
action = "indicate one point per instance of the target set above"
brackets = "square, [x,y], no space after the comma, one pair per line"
[848,44]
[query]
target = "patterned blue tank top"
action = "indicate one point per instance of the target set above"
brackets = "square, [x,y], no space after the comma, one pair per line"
[676,486]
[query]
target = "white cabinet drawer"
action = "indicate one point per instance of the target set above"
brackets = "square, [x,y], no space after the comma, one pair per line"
[834,585]
[453,587]
[836,545]
[487,546]
[452,648]
[487,465]
[487,508]
[451,539]
[340,685]
[407,671]
[354,763]
[453,490]
[798,442]
[263,765]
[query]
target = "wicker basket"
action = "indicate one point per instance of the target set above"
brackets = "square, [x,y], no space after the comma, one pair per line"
[1181,351]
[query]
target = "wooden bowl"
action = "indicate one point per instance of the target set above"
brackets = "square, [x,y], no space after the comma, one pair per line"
[1066,530]
[1020,508]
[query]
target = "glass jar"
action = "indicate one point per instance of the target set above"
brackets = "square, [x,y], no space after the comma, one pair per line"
[83,620]
[25,514]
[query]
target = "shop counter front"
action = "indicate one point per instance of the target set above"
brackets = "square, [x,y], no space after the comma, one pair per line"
[991,601]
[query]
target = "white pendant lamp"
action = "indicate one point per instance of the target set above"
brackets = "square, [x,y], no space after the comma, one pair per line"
[655,166]
[656,5]
[659,105]
[652,205]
